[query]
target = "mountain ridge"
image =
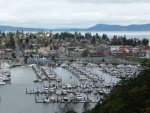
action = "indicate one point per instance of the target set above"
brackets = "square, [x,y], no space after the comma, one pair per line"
[97,27]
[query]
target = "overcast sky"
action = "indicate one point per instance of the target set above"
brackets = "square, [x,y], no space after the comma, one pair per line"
[73,13]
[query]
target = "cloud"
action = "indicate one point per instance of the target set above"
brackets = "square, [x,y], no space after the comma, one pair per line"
[108,1]
[73,13]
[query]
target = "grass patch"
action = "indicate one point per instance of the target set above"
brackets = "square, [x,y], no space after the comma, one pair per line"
[134,59]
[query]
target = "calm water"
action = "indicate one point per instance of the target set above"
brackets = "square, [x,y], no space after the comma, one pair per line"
[15,100]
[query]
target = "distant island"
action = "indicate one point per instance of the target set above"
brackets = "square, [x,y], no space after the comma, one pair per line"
[97,27]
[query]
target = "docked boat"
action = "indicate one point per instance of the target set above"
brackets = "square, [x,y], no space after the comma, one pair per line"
[52,90]
[35,80]
[46,99]
[2,82]
[58,79]
[78,97]
[52,99]
[65,99]
[64,92]
[58,92]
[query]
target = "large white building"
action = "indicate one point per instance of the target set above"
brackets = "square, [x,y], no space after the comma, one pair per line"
[147,54]
[114,48]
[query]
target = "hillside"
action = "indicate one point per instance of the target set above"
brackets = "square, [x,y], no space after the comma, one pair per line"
[98,27]
[11,28]
[133,96]
[105,27]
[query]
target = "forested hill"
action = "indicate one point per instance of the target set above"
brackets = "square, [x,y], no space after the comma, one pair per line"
[97,27]
[133,27]
[133,96]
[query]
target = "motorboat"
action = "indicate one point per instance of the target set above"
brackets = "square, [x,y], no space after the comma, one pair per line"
[78,97]
[65,99]
[69,86]
[36,80]
[52,99]
[2,82]
[51,90]
[46,99]
[59,79]
[58,92]
[64,92]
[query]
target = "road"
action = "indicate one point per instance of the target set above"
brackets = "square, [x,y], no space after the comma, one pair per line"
[107,59]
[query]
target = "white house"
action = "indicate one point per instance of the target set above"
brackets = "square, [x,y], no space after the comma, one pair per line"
[147,54]
[114,49]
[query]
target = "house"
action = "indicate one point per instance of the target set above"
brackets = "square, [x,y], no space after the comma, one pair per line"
[98,51]
[44,53]
[135,50]
[122,51]
[125,49]
[62,48]
[26,51]
[114,48]
[46,48]
[148,54]
[6,53]
[71,48]
[146,50]
[34,54]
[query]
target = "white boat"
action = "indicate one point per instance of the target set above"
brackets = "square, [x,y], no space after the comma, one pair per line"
[64,92]
[2,82]
[69,86]
[58,92]
[64,86]
[59,79]
[52,99]
[46,99]
[51,90]
[65,99]
[36,80]
[78,97]
[83,77]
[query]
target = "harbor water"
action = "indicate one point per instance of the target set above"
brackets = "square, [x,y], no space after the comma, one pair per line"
[15,100]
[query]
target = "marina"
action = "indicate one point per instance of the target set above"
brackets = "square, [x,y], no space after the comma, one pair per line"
[72,83]
[5,76]
[81,82]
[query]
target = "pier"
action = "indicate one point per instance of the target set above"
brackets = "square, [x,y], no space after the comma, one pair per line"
[87,86]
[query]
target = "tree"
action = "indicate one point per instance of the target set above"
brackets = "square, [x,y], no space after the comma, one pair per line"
[17,34]
[27,41]
[3,34]
[105,37]
[66,108]
[131,95]
[46,44]
[103,60]
[93,41]
[31,46]
[2,46]
[11,42]
[145,42]
[13,55]
[86,107]
[85,53]
[53,58]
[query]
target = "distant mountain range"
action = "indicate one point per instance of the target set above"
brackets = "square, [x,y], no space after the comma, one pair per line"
[98,27]
[11,28]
